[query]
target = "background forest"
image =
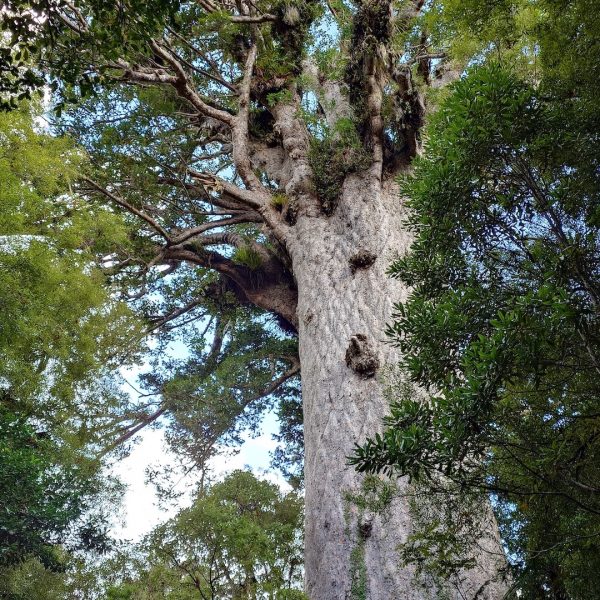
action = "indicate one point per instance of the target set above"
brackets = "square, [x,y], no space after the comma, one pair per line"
[135,234]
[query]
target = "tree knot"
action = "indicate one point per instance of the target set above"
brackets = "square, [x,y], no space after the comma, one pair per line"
[363,259]
[365,528]
[361,356]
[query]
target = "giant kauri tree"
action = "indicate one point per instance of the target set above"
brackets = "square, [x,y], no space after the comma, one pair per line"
[254,147]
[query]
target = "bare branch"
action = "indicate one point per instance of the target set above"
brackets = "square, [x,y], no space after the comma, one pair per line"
[175,314]
[216,78]
[253,18]
[129,207]
[223,238]
[144,422]
[186,90]
[247,217]
[246,197]
[291,372]
[427,56]
[241,155]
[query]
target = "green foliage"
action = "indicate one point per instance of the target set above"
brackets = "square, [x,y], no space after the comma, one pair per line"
[61,334]
[240,538]
[375,495]
[221,390]
[371,27]
[232,353]
[502,324]
[288,456]
[358,571]
[333,155]
[291,33]
[41,500]
[145,144]
[247,256]
[30,579]
[446,538]
[279,200]
[56,315]
[279,96]
[31,24]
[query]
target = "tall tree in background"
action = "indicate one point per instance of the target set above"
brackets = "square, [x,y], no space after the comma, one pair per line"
[254,148]
[242,538]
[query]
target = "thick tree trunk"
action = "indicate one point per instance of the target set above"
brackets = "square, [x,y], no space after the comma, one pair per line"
[355,524]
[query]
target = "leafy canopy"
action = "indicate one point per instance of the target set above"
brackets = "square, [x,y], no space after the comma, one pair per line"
[241,538]
[61,333]
[501,327]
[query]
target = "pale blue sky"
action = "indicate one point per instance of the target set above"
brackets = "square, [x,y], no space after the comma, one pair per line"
[140,511]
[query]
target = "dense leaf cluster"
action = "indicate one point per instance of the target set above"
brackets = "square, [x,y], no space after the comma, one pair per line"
[61,333]
[241,538]
[42,502]
[501,328]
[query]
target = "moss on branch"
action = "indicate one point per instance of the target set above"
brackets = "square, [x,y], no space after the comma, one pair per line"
[291,30]
[371,29]
[332,158]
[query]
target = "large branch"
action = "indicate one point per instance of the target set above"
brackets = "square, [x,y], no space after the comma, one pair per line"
[295,140]
[185,88]
[270,286]
[259,200]
[247,198]
[242,156]
[333,99]
[254,195]
[241,153]
[186,234]
[251,19]
[229,203]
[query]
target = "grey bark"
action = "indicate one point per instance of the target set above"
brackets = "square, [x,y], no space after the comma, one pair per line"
[351,552]
[339,301]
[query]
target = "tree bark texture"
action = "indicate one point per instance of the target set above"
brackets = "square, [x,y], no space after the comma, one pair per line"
[321,269]
[353,526]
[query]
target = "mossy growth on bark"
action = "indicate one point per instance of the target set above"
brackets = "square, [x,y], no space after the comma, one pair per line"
[333,156]
[247,256]
[441,545]
[287,206]
[292,30]
[371,27]
[358,570]
[279,200]
[375,495]
[373,498]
